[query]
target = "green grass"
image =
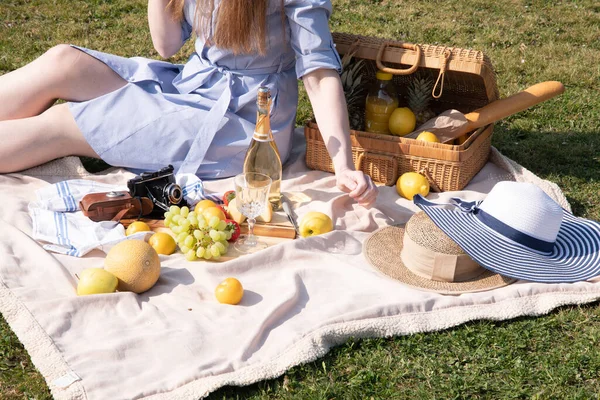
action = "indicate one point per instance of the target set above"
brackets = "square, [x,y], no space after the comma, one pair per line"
[553,356]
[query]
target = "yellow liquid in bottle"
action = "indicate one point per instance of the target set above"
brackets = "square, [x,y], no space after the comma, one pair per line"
[263,157]
[377,113]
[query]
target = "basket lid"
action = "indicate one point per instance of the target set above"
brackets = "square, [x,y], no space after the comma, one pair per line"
[465,77]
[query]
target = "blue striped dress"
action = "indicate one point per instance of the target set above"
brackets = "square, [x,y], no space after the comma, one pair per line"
[200,116]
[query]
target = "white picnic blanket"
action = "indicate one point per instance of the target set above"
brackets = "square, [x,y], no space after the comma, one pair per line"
[302,297]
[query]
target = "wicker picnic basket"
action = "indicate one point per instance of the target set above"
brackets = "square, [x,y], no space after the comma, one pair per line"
[465,80]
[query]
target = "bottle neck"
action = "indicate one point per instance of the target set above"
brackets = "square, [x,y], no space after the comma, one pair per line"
[262,131]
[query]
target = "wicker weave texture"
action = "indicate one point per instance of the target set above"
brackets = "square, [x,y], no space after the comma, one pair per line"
[469,83]
[387,167]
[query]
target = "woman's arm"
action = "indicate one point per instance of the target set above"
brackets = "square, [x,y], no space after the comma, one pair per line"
[165,31]
[326,95]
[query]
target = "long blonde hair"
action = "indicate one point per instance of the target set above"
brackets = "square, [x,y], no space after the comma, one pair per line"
[241,24]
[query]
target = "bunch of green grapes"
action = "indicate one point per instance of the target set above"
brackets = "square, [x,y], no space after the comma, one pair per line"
[197,237]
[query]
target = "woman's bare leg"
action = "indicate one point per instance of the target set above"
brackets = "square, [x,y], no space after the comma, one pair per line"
[31,131]
[63,72]
[28,142]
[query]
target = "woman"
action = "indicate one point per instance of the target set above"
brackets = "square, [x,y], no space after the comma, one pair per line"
[144,114]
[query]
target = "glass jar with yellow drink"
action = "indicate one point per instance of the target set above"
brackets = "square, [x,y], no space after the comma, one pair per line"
[382,100]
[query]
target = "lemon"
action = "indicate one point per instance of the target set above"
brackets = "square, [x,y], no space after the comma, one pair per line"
[137,226]
[427,136]
[402,121]
[135,263]
[411,183]
[163,243]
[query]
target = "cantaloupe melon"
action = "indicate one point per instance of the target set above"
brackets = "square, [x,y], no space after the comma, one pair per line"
[135,263]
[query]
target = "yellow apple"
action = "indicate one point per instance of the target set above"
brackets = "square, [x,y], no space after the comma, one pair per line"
[95,281]
[315,223]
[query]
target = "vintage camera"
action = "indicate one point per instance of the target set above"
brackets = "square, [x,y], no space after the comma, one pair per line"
[160,187]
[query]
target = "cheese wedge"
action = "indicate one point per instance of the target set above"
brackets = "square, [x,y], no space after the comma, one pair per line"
[266,215]
[235,214]
[238,217]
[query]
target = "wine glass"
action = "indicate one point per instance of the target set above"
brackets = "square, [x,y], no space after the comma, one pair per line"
[251,196]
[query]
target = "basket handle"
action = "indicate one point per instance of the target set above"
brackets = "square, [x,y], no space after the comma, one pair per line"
[394,71]
[358,165]
[359,161]
[440,79]
[432,184]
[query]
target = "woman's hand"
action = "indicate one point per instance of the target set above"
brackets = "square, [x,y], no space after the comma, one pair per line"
[326,95]
[359,186]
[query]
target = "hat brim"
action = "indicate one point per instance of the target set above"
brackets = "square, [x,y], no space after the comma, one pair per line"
[575,256]
[382,250]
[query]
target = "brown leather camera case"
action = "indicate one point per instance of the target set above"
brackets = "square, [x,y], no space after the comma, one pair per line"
[112,206]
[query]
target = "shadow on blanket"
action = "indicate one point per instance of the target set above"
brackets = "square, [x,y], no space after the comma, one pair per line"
[302,297]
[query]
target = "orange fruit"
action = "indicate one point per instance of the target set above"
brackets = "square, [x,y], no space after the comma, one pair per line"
[411,183]
[203,205]
[135,263]
[427,136]
[402,121]
[137,226]
[163,243]
[207,213]
[230,291]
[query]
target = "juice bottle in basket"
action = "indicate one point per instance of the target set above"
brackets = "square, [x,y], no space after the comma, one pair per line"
[382,100]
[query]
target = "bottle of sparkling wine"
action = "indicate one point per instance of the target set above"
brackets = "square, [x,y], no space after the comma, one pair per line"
[262,155]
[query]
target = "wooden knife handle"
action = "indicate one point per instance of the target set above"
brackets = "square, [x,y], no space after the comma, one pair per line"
[502,108]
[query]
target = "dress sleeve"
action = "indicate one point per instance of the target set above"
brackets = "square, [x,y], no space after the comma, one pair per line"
[310,35]
[189,11]
[186,30]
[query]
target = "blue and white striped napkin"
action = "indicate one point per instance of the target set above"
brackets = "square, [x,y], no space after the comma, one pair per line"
[58,221]
[193,189]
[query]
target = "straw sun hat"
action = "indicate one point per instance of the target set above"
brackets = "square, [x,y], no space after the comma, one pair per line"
[520,232]
[421,255]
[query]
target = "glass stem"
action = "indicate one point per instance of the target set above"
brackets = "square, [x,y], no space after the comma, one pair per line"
[251,239]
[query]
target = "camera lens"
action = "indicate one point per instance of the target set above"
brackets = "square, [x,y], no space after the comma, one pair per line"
[173,193]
